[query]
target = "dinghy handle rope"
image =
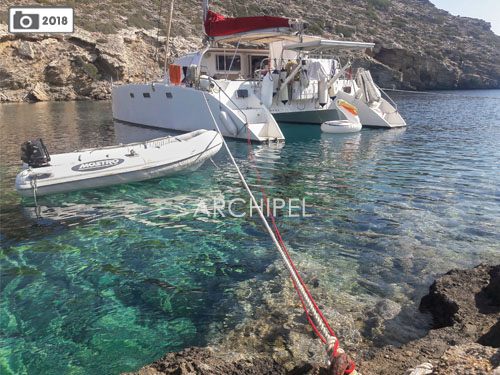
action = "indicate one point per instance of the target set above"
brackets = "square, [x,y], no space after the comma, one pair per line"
[318,321]
[34,185]
[213,162]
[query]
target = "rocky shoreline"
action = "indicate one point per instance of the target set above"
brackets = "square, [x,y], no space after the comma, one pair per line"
[464,306]
[417,46]
[79,66]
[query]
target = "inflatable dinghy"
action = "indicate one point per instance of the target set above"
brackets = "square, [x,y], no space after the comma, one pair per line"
[351,124]
[92,168]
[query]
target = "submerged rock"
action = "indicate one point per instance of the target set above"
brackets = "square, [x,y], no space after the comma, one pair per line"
[268,320]
[387,309]
[465,344]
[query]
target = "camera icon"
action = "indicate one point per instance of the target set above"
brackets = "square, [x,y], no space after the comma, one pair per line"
[26,21]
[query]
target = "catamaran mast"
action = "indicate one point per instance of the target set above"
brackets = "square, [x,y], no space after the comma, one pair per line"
[205,8]
[167,41]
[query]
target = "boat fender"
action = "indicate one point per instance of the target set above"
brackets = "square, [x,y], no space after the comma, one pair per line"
[296,90]
[283,95]
[331,92]
[266,95]
[304,79]
[322,92]
[283,91]
[228,123]
[276,81]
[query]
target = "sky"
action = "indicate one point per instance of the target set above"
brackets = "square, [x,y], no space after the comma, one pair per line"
[488,10]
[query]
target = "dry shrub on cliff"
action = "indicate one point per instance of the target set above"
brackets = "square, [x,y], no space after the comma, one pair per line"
[137,20]
[380,4]
[88,68]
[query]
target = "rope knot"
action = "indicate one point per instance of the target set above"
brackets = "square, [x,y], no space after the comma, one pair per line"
[339,362]
[331,347]
[341,365]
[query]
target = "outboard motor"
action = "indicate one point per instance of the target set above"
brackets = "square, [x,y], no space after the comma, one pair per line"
[35,154]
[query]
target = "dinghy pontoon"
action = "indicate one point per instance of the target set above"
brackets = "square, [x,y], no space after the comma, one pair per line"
[351,124]
[98,167]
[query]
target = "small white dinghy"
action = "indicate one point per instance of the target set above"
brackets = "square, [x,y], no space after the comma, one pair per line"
[105,166]
[351,124]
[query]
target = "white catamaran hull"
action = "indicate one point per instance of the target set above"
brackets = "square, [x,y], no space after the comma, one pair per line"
[293,79]
[184,109]
[380,115]
[93,168]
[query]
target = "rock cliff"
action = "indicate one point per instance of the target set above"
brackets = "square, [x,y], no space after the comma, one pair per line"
[417,45]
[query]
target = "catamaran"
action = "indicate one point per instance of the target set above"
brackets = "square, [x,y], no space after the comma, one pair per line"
[253,73]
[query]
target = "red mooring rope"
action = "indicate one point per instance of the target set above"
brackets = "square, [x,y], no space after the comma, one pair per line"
[250,151]
[351,367]
[279,241]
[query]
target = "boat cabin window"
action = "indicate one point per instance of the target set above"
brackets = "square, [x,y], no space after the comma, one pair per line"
[242,93]
[146,94]
[169,95]
[224,62]
[132,95]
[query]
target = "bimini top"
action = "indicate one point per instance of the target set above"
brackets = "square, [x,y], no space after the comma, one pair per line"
[319,45]
[217,25]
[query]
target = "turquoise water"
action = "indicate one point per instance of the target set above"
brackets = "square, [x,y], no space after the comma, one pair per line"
[107,280]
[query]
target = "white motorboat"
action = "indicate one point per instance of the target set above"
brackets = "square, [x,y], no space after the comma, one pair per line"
[351,124]
[105,166]
[280,75]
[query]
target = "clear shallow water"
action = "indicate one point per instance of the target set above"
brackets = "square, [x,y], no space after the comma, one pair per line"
[108,280]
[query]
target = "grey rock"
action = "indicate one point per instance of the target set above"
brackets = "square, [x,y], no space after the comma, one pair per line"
[387,309]
[38,93]
[24,49]
[468,359]
[460,298]
[493,288]
[202,361]
[57,73]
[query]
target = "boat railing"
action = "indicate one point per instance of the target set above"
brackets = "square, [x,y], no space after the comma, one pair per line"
[387,96]
[383,93]
[261,69]
[234,55]
[231,100]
